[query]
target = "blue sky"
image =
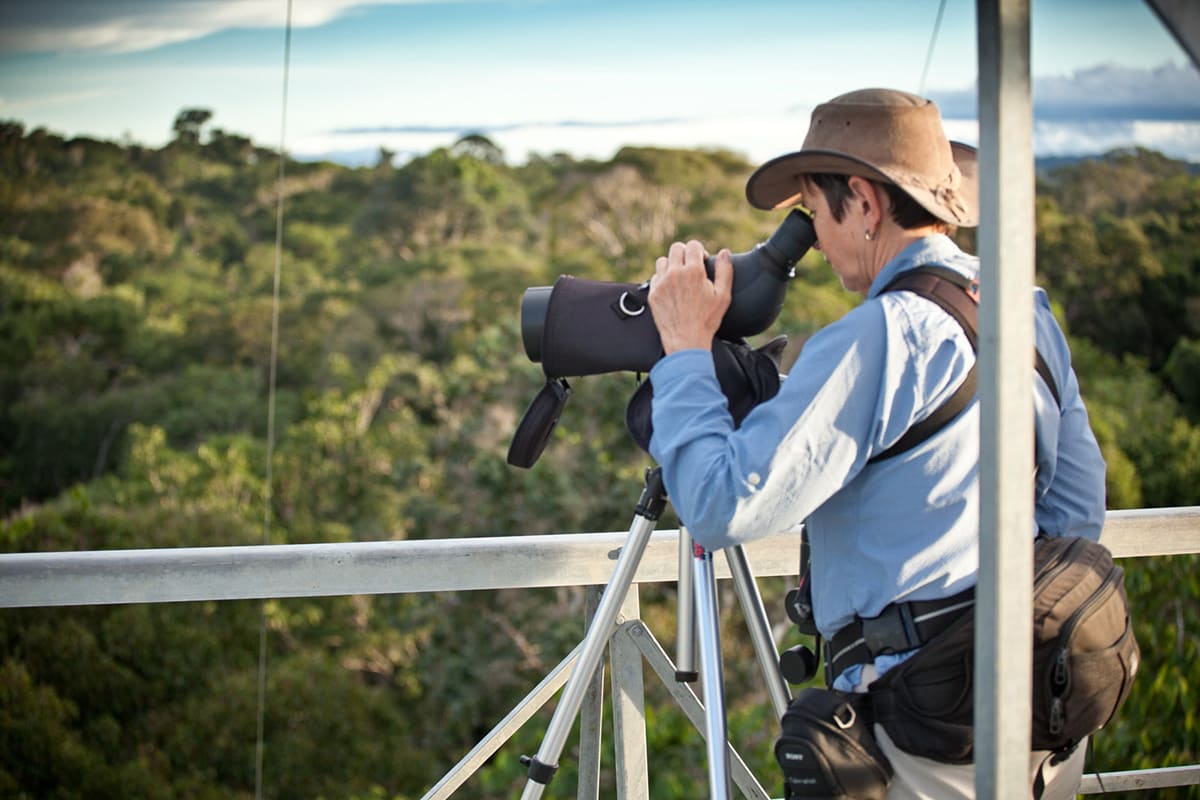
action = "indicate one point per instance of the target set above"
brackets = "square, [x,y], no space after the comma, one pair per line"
[579,76]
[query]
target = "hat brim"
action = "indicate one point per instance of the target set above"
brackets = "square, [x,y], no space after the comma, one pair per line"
[777,183]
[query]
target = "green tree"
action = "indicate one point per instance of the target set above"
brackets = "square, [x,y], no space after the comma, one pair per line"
[188,123]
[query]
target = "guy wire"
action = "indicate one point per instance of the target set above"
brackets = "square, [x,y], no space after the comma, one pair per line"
[268,498]
[937,24]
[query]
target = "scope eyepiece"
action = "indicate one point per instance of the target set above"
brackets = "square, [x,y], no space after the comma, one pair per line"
[761,275]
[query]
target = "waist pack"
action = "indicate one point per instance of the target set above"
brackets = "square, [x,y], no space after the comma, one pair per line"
[1085,658]
[1085,655]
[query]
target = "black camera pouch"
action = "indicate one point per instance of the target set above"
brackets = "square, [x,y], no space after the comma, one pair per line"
[539,422]
[828,749]
[747,376]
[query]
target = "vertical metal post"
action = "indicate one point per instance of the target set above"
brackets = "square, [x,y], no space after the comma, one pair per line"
[1003,640]
[629,706]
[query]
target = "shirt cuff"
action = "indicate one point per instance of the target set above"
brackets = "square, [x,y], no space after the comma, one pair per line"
[681,364]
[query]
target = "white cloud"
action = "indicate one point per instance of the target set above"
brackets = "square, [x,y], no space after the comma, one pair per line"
[1175,139]
[126,26]
[63,99]
[758,137]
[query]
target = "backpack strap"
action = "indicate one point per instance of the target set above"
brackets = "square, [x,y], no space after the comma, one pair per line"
[1043,369]
[958,296]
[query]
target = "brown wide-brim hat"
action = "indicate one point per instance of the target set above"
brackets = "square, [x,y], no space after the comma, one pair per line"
[881,134]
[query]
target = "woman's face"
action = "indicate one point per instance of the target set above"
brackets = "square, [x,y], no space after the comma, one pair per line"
[842,242]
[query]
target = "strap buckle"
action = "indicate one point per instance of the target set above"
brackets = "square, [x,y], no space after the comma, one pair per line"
[893,631]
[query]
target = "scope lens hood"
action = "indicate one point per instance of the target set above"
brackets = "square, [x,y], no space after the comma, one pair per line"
[534,303]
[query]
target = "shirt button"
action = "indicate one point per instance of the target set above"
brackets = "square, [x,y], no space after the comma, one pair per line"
[754,479]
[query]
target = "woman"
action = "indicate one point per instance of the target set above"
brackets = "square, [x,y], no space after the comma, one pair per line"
[885,187]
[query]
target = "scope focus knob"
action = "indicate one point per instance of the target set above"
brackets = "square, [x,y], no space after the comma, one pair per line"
[798,664]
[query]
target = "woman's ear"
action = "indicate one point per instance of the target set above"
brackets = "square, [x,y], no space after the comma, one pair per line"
[867,199]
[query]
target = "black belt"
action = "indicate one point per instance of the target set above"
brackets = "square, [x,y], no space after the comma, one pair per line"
[899,627]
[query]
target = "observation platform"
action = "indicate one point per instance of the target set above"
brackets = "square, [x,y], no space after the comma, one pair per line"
[520,562]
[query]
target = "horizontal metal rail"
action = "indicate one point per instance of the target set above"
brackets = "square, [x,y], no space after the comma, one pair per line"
[1140,780]
[102,577]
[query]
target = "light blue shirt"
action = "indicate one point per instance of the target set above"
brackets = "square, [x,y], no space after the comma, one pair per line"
[907,527]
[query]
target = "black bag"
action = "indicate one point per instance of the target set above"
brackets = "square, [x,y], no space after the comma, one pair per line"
[1085,658]
[748,376]
[827,747]
[927,703]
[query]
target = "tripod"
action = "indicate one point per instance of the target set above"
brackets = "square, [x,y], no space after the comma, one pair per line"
[697,582]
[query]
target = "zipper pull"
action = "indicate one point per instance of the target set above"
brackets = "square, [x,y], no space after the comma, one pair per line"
[1060,676]
[1056,716]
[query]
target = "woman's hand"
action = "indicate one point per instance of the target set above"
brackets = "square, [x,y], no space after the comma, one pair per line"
[687,306]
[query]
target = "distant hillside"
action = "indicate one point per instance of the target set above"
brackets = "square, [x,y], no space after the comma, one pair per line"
[1045,164]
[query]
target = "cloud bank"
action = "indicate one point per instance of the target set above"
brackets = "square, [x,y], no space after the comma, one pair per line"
[1092,111]
[1170,92]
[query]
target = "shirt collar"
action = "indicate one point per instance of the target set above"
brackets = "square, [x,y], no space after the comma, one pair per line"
[937,249]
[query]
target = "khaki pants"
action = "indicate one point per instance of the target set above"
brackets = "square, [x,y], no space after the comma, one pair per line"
[918,778]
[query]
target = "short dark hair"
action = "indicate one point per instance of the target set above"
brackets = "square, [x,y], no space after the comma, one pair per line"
[906,212]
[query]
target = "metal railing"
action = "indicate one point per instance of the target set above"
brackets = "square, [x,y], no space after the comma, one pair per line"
[520,562]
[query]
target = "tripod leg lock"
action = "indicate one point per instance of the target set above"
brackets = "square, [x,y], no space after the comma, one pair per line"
[539,772]
[654,496]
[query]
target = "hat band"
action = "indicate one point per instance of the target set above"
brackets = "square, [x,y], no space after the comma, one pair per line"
[944,193]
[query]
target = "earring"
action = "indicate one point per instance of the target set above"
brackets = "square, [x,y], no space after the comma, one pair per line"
[867,235]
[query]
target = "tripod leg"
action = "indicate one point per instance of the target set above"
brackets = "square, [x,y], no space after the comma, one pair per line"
[591,716]
[650,506]
[711,674]
[760,628]
[630,756]
[685,626]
